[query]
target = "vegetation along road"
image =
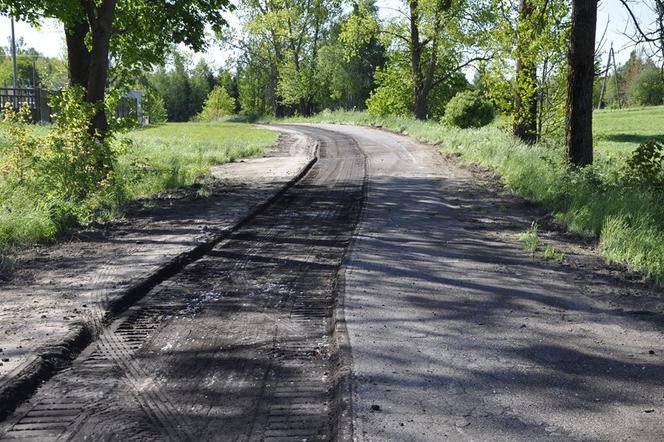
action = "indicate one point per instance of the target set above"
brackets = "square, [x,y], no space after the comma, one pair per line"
[382,297]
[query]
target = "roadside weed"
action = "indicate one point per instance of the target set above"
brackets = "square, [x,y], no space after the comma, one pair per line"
[530,239]
[35,207]
[550,252]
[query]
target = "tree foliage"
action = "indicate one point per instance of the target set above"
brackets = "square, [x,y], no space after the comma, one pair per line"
[525,77]
[183,89]
[218,104]
[295,58]
[647,88]
[127,35]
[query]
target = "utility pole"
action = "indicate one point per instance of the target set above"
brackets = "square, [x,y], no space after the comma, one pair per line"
[606,78]
[15,80]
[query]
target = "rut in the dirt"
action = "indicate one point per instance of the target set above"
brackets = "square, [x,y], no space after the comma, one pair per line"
[238,346]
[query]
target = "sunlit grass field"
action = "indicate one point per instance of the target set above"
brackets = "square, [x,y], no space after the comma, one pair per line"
[618,132]
[600,200]
[176,154]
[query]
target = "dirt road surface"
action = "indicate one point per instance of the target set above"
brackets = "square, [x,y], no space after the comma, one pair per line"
[60,295]
[383,297]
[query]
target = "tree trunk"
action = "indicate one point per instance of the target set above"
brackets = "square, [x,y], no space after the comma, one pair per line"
[96,91]
[420,107]
[525,90]
[581,72]
[419,94]
[78,55]
[89,68]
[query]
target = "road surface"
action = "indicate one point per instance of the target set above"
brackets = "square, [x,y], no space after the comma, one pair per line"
[450,333]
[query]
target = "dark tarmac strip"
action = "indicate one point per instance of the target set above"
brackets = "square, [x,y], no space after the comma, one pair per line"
[238,346]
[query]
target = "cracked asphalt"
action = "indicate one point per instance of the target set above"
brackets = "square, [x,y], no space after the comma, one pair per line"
[458,334]
[449,330]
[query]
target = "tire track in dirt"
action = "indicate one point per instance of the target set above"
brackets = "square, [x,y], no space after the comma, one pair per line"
[239,342]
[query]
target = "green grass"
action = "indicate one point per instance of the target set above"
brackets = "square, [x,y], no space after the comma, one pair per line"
[156,159]
[177,154]
[600,200]
[530,239]
[618,132]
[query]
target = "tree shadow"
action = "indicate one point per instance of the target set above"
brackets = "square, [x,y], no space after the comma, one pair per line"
[632,138]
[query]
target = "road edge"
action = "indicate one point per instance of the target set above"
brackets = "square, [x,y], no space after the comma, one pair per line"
[54,358]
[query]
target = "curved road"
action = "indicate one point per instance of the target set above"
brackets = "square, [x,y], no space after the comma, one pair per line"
[454,335]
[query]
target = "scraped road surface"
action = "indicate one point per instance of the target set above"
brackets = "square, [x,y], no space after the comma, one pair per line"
[453,334]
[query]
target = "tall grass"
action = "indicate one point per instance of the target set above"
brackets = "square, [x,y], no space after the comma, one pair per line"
[628,219]
[154,159]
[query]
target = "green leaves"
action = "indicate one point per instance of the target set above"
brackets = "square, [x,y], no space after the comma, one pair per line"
[359,29]
[394,94]
[217,105]
[143,30]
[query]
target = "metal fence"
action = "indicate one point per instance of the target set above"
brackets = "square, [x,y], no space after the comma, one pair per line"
[36,99]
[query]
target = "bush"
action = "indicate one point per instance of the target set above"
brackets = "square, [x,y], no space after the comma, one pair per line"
[646,166]
[393,96]
[217,105]
[648,88]
[154,108]
[48,182]
[468,109]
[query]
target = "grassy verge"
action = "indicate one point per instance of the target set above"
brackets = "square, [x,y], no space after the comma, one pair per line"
[155,159]
[177,154]
[600,200]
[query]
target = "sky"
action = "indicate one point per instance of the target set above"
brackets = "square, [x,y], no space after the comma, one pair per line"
[49,37]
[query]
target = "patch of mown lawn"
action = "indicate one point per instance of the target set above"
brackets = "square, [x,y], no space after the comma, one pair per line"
[601,200]
[177,154]
[619,132]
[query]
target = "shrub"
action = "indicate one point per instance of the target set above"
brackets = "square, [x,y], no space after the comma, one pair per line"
[393,96]
[154,108]
[51,181]
[648,88]
[646,166]
[468,109]
[217,105]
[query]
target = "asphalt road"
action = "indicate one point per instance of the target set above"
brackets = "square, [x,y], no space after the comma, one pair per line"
[456,335]
[453,334]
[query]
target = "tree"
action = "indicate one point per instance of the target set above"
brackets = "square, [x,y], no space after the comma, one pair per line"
[529,41]
[435,39]
[24,67]
[580,76]
[525,95]
[201,82]
[217,105]
[133,33]
[647,89]
[349,84]
[423,71]
[284,38]
[651,34]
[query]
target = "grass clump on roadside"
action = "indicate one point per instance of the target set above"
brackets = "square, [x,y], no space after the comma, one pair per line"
[608,199]
[530,238]
[58,176]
